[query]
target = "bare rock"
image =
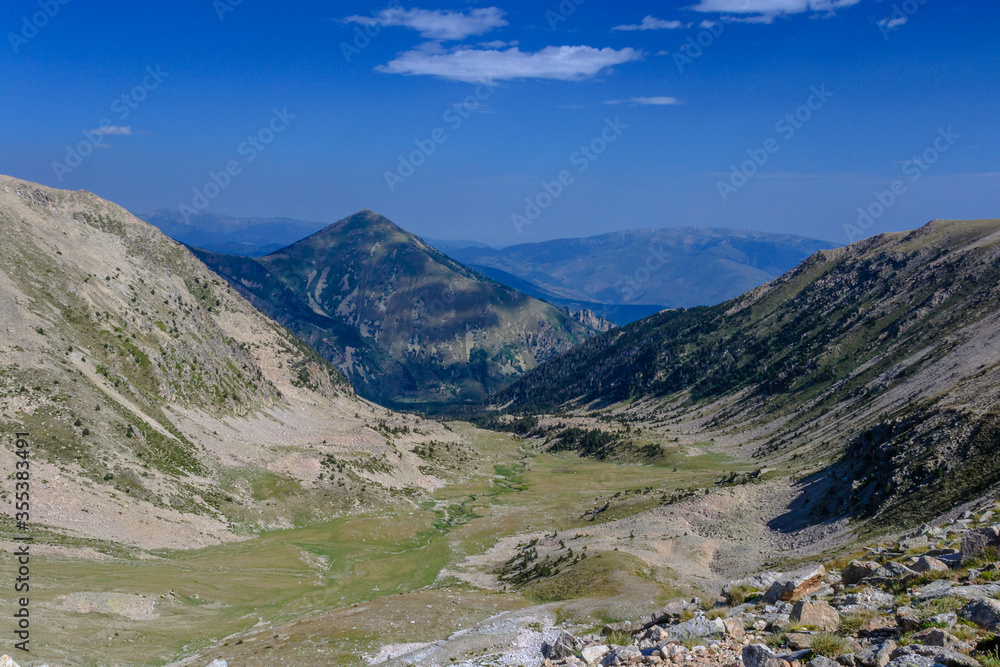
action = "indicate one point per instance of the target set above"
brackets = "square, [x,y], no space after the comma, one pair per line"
[594,654]
[561,647]
[984,613]
[938,637]
[816,614]
[857,570]
[795,585]
[929,564]
[907,619]
[758,655]
[977,541]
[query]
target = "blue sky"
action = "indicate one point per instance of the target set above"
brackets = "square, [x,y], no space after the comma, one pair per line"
[591,116]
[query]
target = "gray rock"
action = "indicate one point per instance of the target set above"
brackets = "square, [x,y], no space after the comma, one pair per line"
[877,655]
[697,628]
[758,655]
[847,660]
[624,655]
[218,663]
[622,626]
[907,619]
[820,661]
[947,620]
[938,637]
[866,598]
[857,570]
[946,657]
[929,564]
[977,541]
[561,647]
[912,661]
[889,573]
[984,613]
[594,654]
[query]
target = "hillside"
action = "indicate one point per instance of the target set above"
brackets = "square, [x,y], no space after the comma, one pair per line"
[406,324]
[671,268]
[153,391]
[882,354]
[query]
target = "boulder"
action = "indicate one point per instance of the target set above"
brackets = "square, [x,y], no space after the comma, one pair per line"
[929,564]
[794,585]
[984,613]
[938,637]
[867,598]
[625,655]
[563,646]
[623,626]
[697,628]
[977,541]
[907,619]
[799,641]
[7,661]
[947,620]
[820,661]
[816,614]
[889,573]
[733,627]
[594,654]
[758,655]
[671,612]
[944,656]
[878,655]
[218,662]
[911,660]
[857,570]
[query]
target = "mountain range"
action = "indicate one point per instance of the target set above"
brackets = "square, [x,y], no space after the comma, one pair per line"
[644,271]
[406,323]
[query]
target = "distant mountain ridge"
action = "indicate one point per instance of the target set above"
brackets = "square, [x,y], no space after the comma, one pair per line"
[678,267]
[406,323]
[249,237]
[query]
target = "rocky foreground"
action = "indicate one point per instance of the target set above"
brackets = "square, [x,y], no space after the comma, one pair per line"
[931,598]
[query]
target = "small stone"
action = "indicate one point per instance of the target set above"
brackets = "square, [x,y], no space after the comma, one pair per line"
[758,655]
[907,619]
[820,661]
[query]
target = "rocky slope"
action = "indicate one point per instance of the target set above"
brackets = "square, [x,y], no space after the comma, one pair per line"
[882,354]
[404,322]
[154,392]
[673,268]
[927,599]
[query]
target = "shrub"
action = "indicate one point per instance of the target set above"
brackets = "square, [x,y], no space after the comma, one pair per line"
[737,595]
[829,645]
[619,638]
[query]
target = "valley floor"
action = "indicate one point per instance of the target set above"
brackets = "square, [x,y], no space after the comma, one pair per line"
[550,537]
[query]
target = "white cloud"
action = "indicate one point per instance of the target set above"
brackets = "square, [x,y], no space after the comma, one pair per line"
[892,24]
[438,24]
[707,24]
[499,44]
[652,23]
[648,101]
[111,129]
[562,63]
[764,11]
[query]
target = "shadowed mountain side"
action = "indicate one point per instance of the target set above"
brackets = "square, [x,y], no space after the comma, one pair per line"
[407,324]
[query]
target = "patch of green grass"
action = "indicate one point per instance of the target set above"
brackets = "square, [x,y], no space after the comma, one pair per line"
[737,595]
[619,638]
[776,640]
[829,644]
[851,622]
